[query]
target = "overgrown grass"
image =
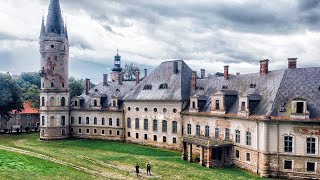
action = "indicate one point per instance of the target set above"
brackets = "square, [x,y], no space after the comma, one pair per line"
[18,166]
[165,164]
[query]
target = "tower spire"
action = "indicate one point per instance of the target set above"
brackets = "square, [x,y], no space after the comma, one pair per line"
[54,19]
[43,28]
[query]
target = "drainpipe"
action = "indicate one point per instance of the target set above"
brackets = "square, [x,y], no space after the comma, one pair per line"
[258,149]
[278,148]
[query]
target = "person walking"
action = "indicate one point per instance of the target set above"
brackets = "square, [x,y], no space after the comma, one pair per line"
[137,169]
[148,169]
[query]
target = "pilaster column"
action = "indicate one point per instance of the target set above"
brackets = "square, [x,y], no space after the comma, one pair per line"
[184,151]
[209,157]
[190,152]
[201,156]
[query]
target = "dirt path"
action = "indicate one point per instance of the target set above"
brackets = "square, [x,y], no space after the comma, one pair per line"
[123,169]
[48,158]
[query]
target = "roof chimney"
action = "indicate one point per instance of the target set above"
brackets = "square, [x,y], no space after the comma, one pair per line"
[145,73]
[105,79]
[120,78]
[264,66]
[292,63]
[87,86]
[226,72]
[175,67]
[137,76]
[203,73]
[193,80]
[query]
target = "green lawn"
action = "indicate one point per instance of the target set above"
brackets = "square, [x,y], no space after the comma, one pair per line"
[112,159]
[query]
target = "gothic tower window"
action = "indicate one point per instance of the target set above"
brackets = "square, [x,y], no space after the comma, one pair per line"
[63,101]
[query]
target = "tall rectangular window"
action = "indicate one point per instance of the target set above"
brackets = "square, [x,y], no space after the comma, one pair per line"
[311,145]
[72,120]
[129,123]
[227,135]
[164,126]
[237,154]
[118,122]
[155,125]
[288,142]
[237,136]
[248,138]
[137,123]
[63,120]
[103,122]
[42,120]
[110,121]
[145,124]
[174,127]
[198,130]
[189,129]
[216,133]
[207,131]
[87,120]
[217,104]
[95,121]
[79,120]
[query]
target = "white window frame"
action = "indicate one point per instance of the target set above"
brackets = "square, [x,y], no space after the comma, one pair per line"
[315,167]
[292,165]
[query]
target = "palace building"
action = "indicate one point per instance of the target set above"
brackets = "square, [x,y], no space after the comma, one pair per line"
[266,122]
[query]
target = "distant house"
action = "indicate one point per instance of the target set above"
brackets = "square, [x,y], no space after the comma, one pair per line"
[28,117]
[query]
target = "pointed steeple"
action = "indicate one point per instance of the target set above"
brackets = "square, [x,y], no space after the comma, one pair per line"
[66,30]
[54,19]
[43,29]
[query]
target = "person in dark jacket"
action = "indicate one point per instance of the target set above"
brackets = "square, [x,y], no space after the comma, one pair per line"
[148,169]
[137,169]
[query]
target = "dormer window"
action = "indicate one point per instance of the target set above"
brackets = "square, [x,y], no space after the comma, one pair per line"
[114,103]
[252,85]
[217,104]
[193,104]
[224,87]
[147,87]
[95,103]
[283,107]
[243,106]
[75,103]
[299,109]
[163,86]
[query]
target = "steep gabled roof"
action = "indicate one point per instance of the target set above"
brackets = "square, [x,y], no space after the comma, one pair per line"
[178,88]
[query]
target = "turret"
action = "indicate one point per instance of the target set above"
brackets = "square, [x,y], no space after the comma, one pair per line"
[55,25]
[117,66]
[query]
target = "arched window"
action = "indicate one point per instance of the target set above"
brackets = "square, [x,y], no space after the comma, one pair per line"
[311,145]
[163,86]
[52,101]
[147,87]
[237,136]
[63,101]
[87,120]
[42,101]
[193,104]
[52,85]
[155,125]
[164,126]
[248,138]
[110,121]
[63,120]
[174,127]
[75,103]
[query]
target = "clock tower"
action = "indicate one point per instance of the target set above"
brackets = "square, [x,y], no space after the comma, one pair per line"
[54,72]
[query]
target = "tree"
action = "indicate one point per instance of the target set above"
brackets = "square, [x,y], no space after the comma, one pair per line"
[10,95]
[75,87]
[129,71]
[33,96]
[31,77]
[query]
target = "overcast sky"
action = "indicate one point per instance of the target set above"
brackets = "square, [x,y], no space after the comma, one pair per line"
[206,33]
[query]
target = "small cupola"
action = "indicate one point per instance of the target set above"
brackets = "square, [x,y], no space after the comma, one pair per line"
[194,107]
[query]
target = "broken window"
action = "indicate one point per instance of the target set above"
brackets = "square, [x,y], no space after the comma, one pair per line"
[63,101]
[248,157]
[164,139]
[288,164]
[311,166]
[237,154]
[63,120]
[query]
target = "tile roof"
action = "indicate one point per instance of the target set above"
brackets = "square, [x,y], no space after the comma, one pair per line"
[27,109]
